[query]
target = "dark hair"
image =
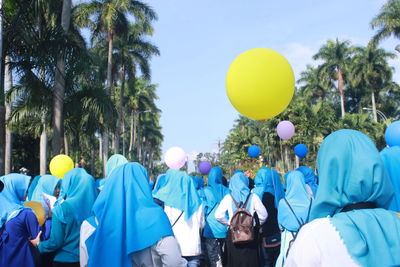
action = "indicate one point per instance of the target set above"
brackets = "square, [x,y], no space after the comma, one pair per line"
[1,186]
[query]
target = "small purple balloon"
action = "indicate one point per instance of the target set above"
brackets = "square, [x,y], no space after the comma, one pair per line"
[285,130]
[205,167]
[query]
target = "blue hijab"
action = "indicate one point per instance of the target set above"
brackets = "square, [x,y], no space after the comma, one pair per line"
[179,192]
[309,178]
[260,182]
[273,184]
[239,186]
[80,191]
[113,162]
[129,220]
[160,182]
[351,171]
[199,185]
[46,184]
[297,196]
[14,192]
[391,159]
[215,187]
[33,185]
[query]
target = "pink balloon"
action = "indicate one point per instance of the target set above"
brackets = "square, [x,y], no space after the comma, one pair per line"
[175,158]
[285,130]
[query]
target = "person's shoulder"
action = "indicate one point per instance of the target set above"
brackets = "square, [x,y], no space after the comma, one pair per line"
[316,227]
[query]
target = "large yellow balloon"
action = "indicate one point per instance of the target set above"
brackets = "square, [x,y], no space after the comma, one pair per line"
[260,83]
[60,165]
[38,210]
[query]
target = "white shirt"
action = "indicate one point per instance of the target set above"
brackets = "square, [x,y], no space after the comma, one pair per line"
[319,244]
[86,231]
[187,233]
[227,203]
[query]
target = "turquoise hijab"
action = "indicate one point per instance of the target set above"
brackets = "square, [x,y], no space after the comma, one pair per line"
[12,196]
[46,184]
[309,178]
[79,191]
[179,192]
[391,159]
[199,185]
[260,182]
[32,186]
[239,186]
[297,196]
[273,184]
[215,187]
[129,220]
[351,171]
[113,162]
[160,182]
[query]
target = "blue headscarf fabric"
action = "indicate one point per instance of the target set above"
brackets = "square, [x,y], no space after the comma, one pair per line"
[113,162]
[199,185]
[14,192]
[79,189]
[239,186]
[351,171]
[309,178]
[46,184]
[32,186]
[260,182]
[129,220]
[391,160]
[299,200]
[273,184]
[215,187]
[179,192]
[160,182]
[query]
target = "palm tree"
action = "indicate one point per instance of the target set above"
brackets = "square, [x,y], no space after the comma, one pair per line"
[313,86]
[370,68]
[387,22]
[131,51]
[107,19]
[336,57]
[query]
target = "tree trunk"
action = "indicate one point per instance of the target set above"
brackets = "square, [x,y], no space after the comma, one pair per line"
[8,104]
[93,160]
[374,106]
[341,91]
[297,162]
[288,164]
[66,145]
[123,138]
[43,147]
[121,104]
[101,148]
[59,88]
[106,132]
[133,134]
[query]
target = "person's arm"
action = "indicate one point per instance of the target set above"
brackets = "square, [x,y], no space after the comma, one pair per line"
[221,211]
[260,209]
[56,239]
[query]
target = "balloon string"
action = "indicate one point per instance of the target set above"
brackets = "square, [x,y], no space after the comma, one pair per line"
[283,160]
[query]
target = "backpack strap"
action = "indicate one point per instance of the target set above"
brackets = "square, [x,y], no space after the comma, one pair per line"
[180,215]
[309,210]
[234,201]
[290,207]
[247,200]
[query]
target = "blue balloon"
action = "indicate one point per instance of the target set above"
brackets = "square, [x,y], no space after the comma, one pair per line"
[253,151]
[392,134]
[301,150]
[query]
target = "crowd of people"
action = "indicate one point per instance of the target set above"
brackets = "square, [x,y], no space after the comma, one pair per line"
[344,214]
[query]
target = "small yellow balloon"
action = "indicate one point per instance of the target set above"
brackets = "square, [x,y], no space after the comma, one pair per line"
[260,83]
[38,210]
[60,165]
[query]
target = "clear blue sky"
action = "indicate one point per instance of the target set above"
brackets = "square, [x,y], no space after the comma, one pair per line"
[198,40]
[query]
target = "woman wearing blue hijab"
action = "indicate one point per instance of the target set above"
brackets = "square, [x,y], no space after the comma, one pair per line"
[113,162]
[17,224]
[214,232]
[270,191]
[241,254]
[185,212]
[33,185]
[199,185]
[352,225]
[293,211]
[310,179]
[391,159]
[131,230]
[79,192]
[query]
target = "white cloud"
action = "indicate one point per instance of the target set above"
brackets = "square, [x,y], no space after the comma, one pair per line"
[299,55]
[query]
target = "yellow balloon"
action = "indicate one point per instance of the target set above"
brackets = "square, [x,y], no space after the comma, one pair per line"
[260,83]
[38,210]
[60,165]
